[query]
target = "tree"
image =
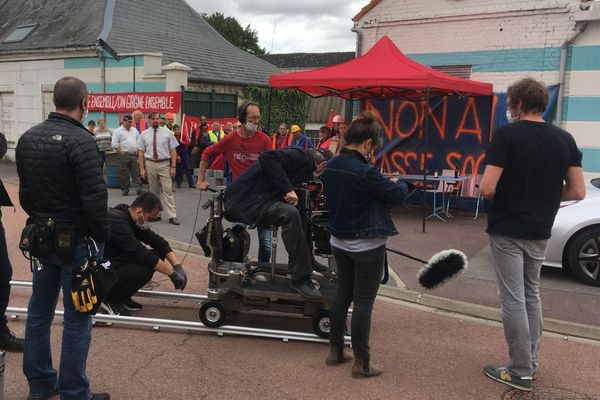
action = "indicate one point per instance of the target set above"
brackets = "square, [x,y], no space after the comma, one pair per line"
[230,28]
[279,106]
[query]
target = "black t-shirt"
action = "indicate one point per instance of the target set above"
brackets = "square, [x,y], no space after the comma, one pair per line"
[535,157]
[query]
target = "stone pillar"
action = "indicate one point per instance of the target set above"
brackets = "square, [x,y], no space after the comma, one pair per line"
[176,76]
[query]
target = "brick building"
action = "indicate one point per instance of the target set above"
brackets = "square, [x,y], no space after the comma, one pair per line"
[499,41]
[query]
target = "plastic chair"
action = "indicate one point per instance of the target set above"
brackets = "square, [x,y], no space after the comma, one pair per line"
[470,190]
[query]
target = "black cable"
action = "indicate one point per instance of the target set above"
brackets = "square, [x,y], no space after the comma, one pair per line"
[194,228]
[406,255]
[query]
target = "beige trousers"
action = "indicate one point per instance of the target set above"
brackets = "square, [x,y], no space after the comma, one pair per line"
[161,184]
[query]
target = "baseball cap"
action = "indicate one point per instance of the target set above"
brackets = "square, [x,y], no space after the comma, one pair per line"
[338,118]
[295,128]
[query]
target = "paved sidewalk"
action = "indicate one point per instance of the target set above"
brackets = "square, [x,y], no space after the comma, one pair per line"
[426,353]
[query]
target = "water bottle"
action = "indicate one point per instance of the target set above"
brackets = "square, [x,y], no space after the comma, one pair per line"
[2,375]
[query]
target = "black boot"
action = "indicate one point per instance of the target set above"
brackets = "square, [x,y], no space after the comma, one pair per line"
[337,355]
[8,340]
[364,369]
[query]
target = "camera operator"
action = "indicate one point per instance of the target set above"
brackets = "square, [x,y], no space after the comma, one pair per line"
[63,192]
[133,261]
[263,195]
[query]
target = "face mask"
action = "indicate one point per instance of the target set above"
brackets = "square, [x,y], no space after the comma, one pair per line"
[84,114]
[510,117]
[250,127]
[141,223]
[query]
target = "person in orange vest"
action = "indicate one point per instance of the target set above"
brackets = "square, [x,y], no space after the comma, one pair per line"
[324,138]
[282,138]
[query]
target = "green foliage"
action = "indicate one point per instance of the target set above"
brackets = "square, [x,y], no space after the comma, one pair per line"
[230,28]
[286,106]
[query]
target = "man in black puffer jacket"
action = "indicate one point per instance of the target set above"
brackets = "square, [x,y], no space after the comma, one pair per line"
[134,262]
[62,190]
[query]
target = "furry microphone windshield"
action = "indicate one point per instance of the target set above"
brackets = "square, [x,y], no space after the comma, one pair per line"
[442,267]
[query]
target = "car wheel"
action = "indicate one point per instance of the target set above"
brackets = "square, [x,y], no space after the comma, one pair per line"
[584,255]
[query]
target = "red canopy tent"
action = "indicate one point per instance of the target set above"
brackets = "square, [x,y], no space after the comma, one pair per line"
[383,72]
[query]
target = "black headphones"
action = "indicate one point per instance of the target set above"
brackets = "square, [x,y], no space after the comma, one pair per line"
[242,110]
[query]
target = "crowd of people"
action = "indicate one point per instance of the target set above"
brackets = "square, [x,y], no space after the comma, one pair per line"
[263,173]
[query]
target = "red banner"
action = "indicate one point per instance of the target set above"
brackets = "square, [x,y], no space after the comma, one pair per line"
[190,123]
[161,102]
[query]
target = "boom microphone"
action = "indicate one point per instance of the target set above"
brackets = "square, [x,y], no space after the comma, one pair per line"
[440,268]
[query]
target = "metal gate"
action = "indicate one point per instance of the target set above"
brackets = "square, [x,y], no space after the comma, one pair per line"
[209,104]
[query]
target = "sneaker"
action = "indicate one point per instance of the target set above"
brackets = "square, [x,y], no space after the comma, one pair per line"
[114,309]
[306,288]
[124,193]
[139,191]
[132,305]
[100,396]
[174,221]
[503,376]
[9,342]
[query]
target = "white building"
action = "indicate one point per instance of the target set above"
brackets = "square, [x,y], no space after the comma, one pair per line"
[499,41]
[116,47]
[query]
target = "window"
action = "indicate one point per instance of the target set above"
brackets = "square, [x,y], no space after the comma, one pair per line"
[19,33]
[458,71]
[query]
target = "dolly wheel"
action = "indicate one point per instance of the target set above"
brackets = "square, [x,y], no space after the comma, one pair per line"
[212,314]
[321,323]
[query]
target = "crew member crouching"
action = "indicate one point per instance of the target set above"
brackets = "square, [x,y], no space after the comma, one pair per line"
[133,261]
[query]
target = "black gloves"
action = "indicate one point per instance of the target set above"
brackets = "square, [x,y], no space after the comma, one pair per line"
[178,277]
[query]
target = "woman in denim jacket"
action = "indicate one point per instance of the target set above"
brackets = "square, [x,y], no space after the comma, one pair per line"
[359,200]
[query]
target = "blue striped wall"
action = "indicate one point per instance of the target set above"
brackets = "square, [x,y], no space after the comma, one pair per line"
[94,62]
[124,87]
[507,60]
[591,159]
[580,58]
[582,108]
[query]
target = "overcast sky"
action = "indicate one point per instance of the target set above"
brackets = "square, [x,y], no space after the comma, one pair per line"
[300,25]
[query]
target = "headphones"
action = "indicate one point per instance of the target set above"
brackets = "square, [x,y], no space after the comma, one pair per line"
[242,110]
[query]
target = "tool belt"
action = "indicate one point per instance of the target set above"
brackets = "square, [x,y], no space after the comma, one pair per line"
[46,237]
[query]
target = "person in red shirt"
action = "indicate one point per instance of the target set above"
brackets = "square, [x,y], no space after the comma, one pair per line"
[241,149]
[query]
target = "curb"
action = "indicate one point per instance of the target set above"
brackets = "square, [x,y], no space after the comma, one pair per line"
[444,304]
[484,312]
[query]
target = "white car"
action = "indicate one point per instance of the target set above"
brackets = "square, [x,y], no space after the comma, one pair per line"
[575,241]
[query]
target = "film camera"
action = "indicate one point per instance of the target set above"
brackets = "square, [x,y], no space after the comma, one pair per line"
[313,204]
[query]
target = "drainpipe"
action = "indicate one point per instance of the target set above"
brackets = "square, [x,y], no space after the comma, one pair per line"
[349,109]
[563,70]
[358,32]
[102,71]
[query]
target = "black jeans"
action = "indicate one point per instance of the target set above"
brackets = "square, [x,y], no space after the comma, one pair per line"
[359,276]
[5,276]
[132,277]
[294,238]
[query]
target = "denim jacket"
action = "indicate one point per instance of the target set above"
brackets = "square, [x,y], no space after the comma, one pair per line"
[359,197]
